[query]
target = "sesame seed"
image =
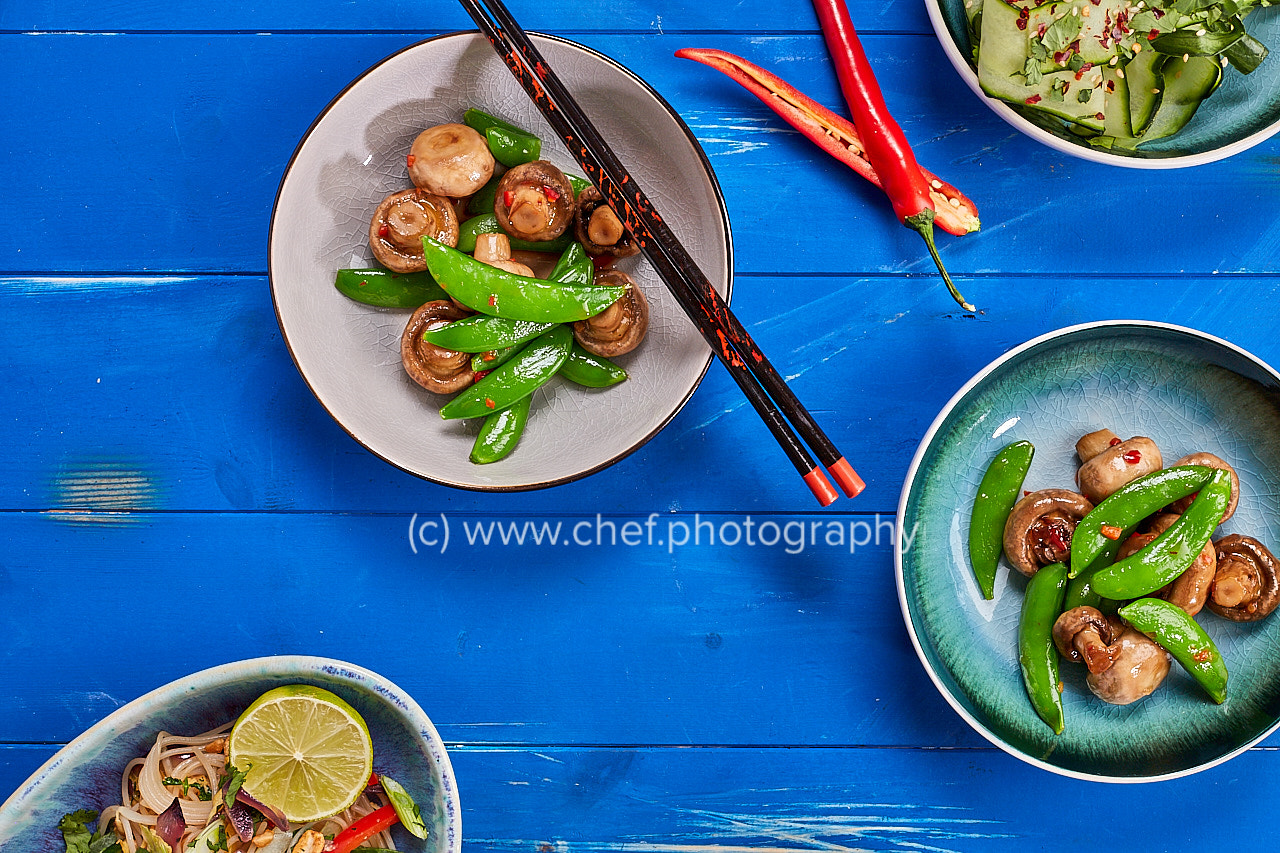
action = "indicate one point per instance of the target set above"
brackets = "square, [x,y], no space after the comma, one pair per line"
[1201,32]
[1120,73]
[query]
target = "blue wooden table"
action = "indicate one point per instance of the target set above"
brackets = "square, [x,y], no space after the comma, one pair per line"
[173,496]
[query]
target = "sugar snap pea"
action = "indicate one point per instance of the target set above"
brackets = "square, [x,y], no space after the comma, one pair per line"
[997,493]
[517,378]
[591,370]
[485,361]
[1181,636]
[1120,512]
[510,144]
[487,223]
[1170,553]
[574,266]
[386,289]
[1037,655]
[499,293]
[481,333]
[500,432]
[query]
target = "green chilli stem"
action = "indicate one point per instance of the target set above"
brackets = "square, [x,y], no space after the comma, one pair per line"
[922,223]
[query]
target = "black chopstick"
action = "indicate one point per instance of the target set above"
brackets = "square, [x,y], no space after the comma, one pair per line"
[718,325]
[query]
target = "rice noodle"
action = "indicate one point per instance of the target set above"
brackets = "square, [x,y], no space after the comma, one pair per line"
[143,798]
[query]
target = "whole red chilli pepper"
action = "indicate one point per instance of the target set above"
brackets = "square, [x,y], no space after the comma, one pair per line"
[886,146]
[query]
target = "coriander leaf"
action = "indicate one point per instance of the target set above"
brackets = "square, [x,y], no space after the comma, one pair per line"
[1061,33]
[1085,95]
[233,781]
[1032,71]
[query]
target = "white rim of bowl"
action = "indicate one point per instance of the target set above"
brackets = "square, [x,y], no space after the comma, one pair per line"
[1084,152]
[625,452]
[253,667]
[927,440]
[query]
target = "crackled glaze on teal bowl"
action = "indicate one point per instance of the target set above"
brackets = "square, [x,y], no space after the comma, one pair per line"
[1186,390]
[1244,111]
[86,772]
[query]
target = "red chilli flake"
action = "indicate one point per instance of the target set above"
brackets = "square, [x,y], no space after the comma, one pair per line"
[481,374]
[493,300]
[508,197]
[1110,531]
[409,160]
[1202,656]
[551,193]
[1132,457]
[489,404]
[1153,35]
[1034,99]
[383,230]
[1100,117]
[1114,442]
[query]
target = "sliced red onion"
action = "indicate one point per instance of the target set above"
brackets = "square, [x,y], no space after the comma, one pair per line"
[276,816]
[241,819]
[170,824]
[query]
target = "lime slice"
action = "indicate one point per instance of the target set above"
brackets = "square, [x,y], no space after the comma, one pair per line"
[303,750]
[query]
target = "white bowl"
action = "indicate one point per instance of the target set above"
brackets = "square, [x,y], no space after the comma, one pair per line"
[348,353]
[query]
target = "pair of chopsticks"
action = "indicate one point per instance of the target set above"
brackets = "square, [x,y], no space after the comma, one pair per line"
[760,382]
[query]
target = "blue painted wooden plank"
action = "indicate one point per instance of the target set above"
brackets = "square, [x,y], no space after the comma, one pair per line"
[557,16]
[186,383]
[736,800]
[187,162]
[666,635]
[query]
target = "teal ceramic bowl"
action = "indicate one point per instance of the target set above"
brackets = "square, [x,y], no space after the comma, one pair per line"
[86,773]
[1186,390]
[1243,112]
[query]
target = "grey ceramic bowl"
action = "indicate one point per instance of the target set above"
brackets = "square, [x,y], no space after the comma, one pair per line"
[86,772]
[1240,114]
[348,353]
[1186,390]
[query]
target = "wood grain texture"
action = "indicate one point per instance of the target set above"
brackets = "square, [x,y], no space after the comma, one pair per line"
[632,17]
[186,381]
[645,800]
[185,164]
[173,497]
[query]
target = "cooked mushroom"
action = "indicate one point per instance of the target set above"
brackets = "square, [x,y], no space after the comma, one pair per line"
[534,201]
[1118,464]
[619,328]
[451,160]
[1083,635]
[1094,443]
[599,229]
[1038,531]
[400,223]
[437,369]
[1139,667]
[495,250]
[1246,587]
[1211,461]
[1189,590]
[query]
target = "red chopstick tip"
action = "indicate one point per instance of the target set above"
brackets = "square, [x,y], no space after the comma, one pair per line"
[820,486]
[847,478]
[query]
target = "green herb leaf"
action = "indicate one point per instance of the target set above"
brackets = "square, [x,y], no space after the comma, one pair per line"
[80,839]
[1084,95]
[1032,71]
[233,782]
[406,808]
[1062,33]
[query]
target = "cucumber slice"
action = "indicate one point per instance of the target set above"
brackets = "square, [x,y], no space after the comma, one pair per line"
[1002,64]
[1145,93]
[1184,84]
